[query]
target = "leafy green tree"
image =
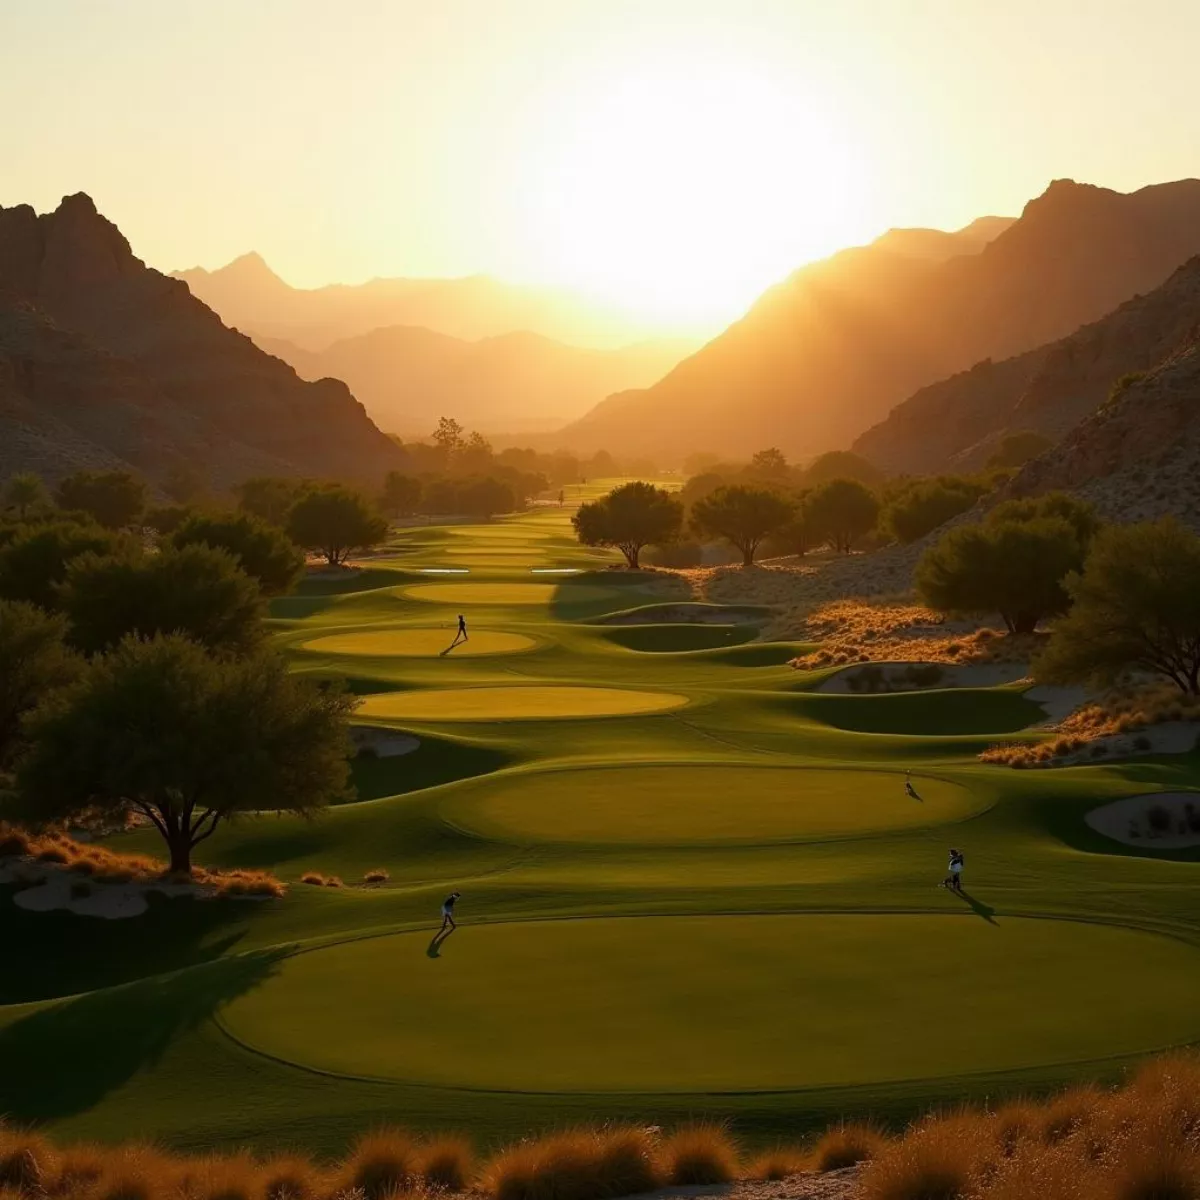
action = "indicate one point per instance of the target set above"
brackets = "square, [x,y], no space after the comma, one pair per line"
[270,497]
[34,563]
[1079,514]
[164,519]
[924,505]
[1016,568]
[24,492]
[800,534]
[841,464]
[474,456]
[698,487]
[1016,449]
[333,521]
[768,466]
[842,511]
[34,663]
[401,495]
[487,496]
[113,499]
[1136,607]
[448,438]
[743,516]
[196,590]
[160,728]
[630,517]
[264,552]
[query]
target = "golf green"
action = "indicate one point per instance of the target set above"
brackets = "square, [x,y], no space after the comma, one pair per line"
[684,805]
[725,1003]
[499,594]
[421,643]
[519,703]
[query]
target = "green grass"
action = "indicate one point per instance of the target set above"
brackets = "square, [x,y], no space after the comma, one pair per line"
[791,961]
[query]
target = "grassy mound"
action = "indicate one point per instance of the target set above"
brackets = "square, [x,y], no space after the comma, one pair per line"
[525,703]
[420,643]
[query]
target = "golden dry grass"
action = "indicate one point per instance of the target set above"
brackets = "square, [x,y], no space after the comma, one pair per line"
[702,1153]
[446,1163]
[847,1145]
[381,1163]
[377,875]
[778,1163]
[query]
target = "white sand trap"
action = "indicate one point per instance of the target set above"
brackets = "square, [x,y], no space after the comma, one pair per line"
[1132,821]
[1059,702]
[445,570]
[383,743]
[919,676]
[53,889]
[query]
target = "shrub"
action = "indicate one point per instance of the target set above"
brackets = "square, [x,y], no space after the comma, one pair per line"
[577,1164]
[778,1164]
[702,1153]
[377,875]
[846,1146]
[936,1161]
[313,877]
[446,1162]
[381,1163]
[291,1177]
[27,1162]
[333,881]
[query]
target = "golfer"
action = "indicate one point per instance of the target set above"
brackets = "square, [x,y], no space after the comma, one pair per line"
[448,911]
[908,787]
[462,629]
[953,879]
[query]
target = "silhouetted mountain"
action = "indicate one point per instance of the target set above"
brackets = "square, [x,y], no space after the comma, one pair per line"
[937,245]
[825,354]
[250,296]
[103,358]
[407,378]
[957,421]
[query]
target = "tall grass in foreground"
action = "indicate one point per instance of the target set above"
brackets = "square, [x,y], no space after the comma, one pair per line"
[1138,1142]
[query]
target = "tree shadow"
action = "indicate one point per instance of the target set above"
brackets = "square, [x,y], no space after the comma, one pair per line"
[66,1056]
[986,911]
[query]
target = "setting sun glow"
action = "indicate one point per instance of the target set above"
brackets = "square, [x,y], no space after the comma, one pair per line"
[685,187]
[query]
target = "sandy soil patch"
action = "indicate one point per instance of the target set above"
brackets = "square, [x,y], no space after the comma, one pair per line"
[382,743]
[832,1185]
[689,614]
[1059,702]
[1156,821]
[50,888]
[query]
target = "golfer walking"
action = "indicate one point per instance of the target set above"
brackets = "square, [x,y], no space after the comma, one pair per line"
[448,912]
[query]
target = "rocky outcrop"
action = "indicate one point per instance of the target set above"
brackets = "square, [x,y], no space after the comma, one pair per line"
[956,422]
[827,353]
[105,359]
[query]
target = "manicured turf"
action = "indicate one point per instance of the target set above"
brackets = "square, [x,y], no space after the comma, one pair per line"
[515,703]
[747,923]
[720,1003]
[421,643]
[682,805]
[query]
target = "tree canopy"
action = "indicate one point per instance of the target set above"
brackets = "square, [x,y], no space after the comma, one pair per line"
[923,505]
[630,517]
[841,464]
[743,516]
[334,521]
[843,511]
[34,663]
[1136,606]
[33,564]
[113,499]
[269,497]
[24,492]
[263,551]
[195,590]
[401,494]
[159,727]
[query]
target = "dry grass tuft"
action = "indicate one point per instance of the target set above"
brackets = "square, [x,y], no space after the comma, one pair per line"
[377,875]
[846,1146]
[291,1177]
[702,1153]
[381,1163]
[313,877]
[28,1163]
[778,1163]
[938,1160]
[446,1162]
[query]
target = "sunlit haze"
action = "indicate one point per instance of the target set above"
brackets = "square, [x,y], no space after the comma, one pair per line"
[672,156]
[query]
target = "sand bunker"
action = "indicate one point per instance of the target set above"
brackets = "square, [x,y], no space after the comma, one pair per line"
[383,743]
[52,889]
[420,643]
[886,677]
[516,703]
[1156,821]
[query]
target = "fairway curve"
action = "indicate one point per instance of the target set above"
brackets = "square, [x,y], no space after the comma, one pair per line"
[420,643]
[721,1003]
[702,805]
[502,594]
[518,703]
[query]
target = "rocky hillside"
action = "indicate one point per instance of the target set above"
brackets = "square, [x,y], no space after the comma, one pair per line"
[105,361]
[824,355]
[1138,455]
[955,422]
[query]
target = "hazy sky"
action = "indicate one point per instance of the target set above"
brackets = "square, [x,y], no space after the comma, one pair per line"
[677,155]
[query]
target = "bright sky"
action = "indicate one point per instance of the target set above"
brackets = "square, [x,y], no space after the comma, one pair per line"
[673,155]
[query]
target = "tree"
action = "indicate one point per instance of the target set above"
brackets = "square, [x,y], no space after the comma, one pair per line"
[160,728]
[842,464]
[24,492]
[1135,608]
[264,552]
[1079,514]
[34,562]
[164,519]
[113,499]
[842,511]
[922,505]
[698,487]
[401,494]
[630,517]
[269,497]
[195,590]
[474,455]
[800,534]
[485,497]
[743,516]
[768,466]
[1016,568]
[1016,449]
[448,437]
[333,521]
[34,663]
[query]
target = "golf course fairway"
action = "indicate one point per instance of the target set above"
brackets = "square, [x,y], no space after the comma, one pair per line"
[693,885]
[726,1003]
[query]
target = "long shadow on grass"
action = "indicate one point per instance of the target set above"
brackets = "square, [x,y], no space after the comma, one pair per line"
[986,911]
[64,1058]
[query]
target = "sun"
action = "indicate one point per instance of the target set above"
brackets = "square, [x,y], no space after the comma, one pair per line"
[683,187]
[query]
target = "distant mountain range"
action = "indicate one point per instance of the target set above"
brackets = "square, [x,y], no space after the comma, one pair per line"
[826,354]
[106,362]
[252,298]
[512,383]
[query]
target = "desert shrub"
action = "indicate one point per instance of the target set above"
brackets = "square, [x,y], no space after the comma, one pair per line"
[221,1177]
[333,881]
[936,1161]
[778,1163]
[291,1177]
[381,1163]
[577,1164]
[925,504]
[377,875]
[846,1145]
[446,1162]
[1158,818]
[28,1163]
[842,512]
[702,1153]
[313,877]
